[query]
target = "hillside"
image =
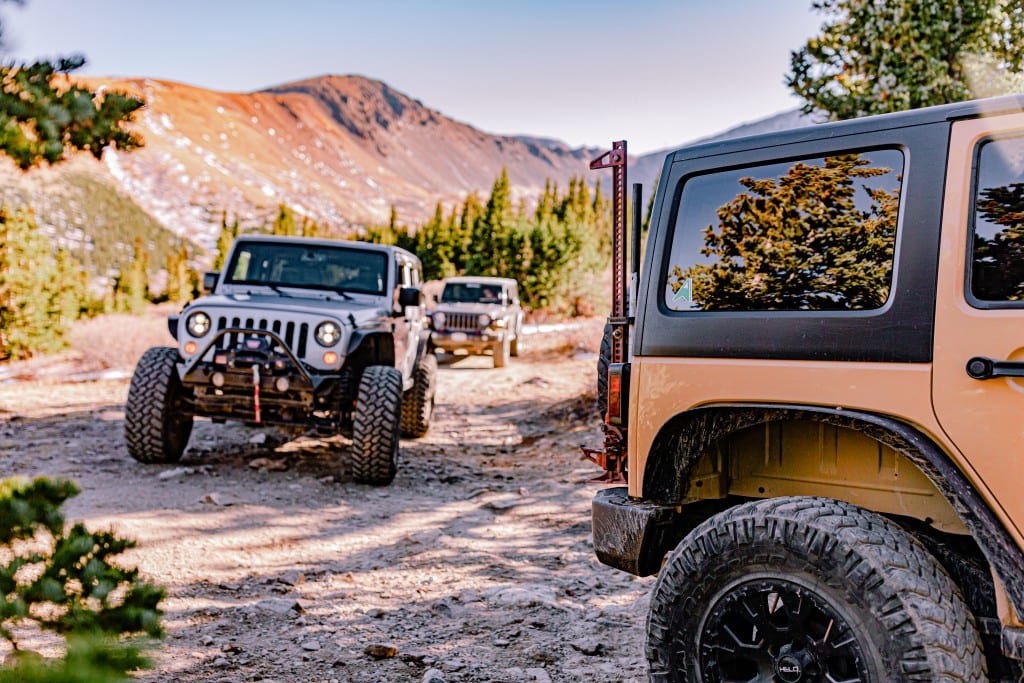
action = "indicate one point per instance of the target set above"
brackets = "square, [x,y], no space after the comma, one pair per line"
[644,169]
[341,149]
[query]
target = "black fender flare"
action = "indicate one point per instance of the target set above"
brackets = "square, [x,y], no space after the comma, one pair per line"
[379,345]
[682,440]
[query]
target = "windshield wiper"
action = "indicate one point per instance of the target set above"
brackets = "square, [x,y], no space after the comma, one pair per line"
[341,292]
[280,291]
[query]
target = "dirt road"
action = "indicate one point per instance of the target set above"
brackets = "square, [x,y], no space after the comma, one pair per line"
[475,565]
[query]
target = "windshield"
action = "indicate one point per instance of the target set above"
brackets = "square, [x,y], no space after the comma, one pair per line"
[276,264]
[471,293]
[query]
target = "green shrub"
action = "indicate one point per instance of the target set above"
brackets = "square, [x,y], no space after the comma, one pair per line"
[63,581]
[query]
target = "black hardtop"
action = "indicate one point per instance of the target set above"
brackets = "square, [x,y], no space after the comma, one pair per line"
[915,117]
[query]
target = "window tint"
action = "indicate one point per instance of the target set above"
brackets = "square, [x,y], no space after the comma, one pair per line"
[997,254]
[814,234]
[309,267]
[471,292]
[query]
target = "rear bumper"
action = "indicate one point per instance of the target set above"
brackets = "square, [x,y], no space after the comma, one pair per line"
[635,535]
[631,535]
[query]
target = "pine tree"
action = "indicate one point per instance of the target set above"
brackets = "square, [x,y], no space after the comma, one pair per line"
[131,291]
[44,115]
[32,307]
[181,279]
[228,233]
[70,290]
[877,57]
[284,223]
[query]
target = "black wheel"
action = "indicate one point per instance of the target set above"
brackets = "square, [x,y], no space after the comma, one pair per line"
[513,348]
[604,357]
[418,403]
[157,423]
[808,589]
[375,426]
[501,353]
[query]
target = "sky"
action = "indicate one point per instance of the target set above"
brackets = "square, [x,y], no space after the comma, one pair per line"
[654,72]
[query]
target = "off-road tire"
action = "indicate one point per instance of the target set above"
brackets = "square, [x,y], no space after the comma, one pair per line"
[501,353]
[513,348]
[418,403]
[900,606]
[156,422]
[604,357]
[375,426]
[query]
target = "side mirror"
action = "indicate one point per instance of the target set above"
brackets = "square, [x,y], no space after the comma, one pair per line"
[210,280]
[410,296]
[436,298]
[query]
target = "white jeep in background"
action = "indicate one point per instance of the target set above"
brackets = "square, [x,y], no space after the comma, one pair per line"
[478,315]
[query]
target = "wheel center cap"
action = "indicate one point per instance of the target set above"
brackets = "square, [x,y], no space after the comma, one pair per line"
[789,669]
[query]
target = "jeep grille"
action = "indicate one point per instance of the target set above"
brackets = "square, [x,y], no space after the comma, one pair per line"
[461,321]
[287,331]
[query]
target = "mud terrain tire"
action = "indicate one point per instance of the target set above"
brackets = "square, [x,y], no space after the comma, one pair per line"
[376,425]
[156,424]
[418,403]
[513,348]
[893,613]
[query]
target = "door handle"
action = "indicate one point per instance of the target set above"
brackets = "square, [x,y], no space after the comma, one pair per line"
[980,367]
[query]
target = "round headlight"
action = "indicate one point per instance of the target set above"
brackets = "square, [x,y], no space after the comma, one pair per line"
[328,333]
[484,320]
[438,320]
[198,324]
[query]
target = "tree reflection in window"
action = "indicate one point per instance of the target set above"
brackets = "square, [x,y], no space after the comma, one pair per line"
[816,234]
[997,268]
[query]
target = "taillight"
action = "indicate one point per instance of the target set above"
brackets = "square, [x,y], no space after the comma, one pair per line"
[618,393]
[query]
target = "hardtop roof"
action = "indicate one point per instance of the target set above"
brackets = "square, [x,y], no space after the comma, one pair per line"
[326,242]
[915,117]
[483,279]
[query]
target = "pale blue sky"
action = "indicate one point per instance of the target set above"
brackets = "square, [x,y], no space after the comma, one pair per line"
[654,72]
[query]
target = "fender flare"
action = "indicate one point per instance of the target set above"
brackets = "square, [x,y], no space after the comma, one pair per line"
[681,441]
[361,337]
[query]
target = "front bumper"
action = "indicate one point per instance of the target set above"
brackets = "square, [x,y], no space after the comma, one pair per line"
[474,341]
[259,379]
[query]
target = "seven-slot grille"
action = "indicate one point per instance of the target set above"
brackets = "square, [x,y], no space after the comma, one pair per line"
[461,321]
[286,331]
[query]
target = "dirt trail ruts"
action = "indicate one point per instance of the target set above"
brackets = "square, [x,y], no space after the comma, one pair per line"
[474,565]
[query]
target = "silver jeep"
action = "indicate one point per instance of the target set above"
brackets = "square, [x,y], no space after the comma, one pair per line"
[478,315]
[319,334]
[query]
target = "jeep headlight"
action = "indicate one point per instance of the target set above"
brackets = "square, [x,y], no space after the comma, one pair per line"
[328,333]
[198,324]
[483,320]
[438,319]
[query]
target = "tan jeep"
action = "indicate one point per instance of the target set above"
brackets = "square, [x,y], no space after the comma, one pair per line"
[818,403]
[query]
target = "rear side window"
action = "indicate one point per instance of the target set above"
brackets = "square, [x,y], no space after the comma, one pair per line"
[814,234]
[997,248]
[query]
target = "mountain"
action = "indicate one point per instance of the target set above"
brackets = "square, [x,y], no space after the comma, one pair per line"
[645,168]
[340,149]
